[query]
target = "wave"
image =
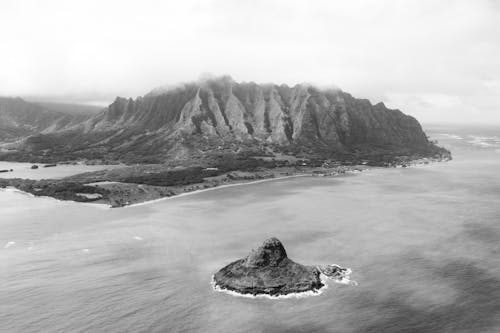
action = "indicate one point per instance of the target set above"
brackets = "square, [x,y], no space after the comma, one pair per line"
[450,136]
[476,140]
[337,274]
[9,244]
[484,141]
[303,294]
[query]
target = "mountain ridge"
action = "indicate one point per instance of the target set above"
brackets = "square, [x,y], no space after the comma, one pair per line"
[20,118]
[220,115]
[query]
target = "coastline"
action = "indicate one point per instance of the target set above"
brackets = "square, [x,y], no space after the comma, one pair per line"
[116,194]
[152,194]
[106,205]
[267,176]
[303,294]
[215,188]
[324,281]
[12,189]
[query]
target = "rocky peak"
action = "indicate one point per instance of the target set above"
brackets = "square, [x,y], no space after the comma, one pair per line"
[270,253]
[219,112]
[268,270]
[21,119]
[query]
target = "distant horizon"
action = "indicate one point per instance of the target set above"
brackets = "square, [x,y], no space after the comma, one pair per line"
[101,101]
[100,105]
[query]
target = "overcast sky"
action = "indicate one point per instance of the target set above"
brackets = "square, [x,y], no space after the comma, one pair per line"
[437,60]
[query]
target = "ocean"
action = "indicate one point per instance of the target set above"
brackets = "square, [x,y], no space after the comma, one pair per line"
[423,244]
[24,170]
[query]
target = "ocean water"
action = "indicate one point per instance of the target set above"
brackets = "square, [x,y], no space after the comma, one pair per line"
[23,170]
[423,244]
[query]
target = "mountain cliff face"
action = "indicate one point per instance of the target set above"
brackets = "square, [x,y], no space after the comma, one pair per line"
[221,114]
[275,114]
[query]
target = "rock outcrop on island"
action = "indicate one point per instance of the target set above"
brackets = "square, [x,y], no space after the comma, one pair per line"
[268,271]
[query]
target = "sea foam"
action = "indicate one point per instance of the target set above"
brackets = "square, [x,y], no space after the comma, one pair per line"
[9,244]
[264,296]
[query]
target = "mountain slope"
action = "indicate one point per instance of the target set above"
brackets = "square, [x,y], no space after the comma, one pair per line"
[19,118]
[223,116]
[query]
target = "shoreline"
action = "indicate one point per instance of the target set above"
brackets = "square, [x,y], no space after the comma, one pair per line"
[148,202]
[225,181]
[13,189]
[303,294]
[345,170]
[105,205]
[310,293]
[215,188]
[126,194]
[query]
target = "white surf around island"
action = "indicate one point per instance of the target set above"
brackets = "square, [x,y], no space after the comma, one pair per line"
[345,279]
[303,294]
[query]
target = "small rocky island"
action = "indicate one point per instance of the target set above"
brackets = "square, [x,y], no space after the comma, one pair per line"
[268,271]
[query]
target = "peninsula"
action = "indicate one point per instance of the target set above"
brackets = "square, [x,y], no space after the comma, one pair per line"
[204,134]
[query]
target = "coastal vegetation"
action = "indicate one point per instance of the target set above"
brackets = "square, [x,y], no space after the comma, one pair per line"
[58,189]
[128,185]
[205,134]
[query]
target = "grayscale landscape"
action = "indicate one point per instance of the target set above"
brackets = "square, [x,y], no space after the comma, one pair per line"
[338,171]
